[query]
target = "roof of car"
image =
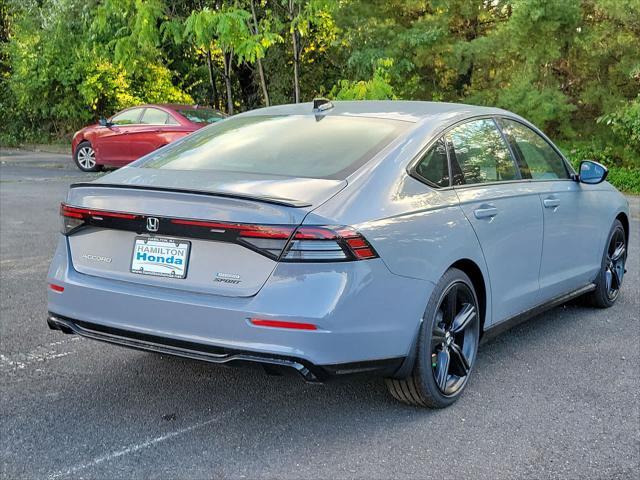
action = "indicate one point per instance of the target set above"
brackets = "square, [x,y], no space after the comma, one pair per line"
[412,111]
[181,106]
[172,106]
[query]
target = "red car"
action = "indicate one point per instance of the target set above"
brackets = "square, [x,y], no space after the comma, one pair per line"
[136,131]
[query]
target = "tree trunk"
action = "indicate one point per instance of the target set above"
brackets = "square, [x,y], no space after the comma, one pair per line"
[263,82]
[296,67]
[295,41]
[250,91]
[214,100]
[226,58]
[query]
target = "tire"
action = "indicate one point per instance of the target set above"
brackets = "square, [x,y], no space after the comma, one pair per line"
[445,332]
[85,157]
[609,279]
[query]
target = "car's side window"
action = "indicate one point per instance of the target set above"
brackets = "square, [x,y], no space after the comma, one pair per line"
[480,154]
[171,120]
[154,116]
[128,117]
[536,158]
[434,166]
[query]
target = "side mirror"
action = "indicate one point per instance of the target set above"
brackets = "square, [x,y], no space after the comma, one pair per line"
[592,172]
[104,122]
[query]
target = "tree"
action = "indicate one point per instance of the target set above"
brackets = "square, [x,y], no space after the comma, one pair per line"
[377,88]
[229,30]
[264,37]
[303,17]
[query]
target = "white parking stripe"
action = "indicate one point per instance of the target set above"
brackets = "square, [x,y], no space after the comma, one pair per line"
[146,444]
[134,448]
[43,353]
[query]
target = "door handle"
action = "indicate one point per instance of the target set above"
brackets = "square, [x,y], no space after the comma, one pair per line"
[485,211]
[551,202]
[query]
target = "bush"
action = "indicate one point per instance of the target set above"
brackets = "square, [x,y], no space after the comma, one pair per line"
[625,124]
[624,173]
[625,179]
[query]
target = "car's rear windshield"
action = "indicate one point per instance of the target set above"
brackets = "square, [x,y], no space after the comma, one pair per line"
[202,115]
[330,147]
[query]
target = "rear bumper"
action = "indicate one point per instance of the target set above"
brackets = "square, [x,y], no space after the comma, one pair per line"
[363,313]
[220,355]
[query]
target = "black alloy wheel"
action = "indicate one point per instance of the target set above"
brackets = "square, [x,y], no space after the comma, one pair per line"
[447,345]
[454,338]
[609,279]
[616,258]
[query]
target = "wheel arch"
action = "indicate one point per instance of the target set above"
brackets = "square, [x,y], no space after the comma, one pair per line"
[81,139]
[625,224]
[474,272]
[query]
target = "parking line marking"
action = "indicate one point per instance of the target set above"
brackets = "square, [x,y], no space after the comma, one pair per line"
[42,353]
[134,448]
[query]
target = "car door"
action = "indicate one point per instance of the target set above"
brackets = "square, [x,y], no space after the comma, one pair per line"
[572,238]
[150,133]
[112,143]
[505,213]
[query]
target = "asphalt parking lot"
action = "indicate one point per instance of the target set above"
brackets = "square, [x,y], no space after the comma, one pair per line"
[557,397]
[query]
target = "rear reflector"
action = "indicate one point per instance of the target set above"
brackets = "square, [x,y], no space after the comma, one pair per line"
[56,288]
[280,324]
[286,243]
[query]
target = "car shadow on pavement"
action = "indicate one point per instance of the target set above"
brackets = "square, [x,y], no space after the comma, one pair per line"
[196,386]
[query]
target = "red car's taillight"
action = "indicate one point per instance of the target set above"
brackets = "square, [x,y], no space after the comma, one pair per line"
[286,243]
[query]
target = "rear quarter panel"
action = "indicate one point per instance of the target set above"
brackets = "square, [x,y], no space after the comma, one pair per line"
[419,232]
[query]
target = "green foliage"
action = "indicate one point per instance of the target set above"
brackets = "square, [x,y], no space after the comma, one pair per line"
[571,66]
[377,88]
[73,61]
[624,169]
[625,124]
[625,179]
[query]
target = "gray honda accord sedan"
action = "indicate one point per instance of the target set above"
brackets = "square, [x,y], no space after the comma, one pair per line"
[336,238]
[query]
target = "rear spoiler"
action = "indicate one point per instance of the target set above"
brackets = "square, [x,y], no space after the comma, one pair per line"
[287,202]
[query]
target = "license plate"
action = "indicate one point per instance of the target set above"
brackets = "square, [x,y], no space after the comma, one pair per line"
[159,256]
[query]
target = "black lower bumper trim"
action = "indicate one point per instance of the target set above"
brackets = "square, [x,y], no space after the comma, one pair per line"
[209,353]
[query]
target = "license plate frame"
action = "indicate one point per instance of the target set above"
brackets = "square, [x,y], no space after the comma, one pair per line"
[164,247]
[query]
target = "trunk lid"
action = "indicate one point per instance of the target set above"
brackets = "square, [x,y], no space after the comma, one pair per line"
[196,208]
[292,191]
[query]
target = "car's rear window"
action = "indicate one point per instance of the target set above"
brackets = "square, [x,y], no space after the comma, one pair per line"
[329,146]
[202,115]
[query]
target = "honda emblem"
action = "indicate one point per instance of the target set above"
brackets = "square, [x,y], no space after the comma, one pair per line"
[153,224]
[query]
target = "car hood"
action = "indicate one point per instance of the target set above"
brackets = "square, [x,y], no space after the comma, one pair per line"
[299,192]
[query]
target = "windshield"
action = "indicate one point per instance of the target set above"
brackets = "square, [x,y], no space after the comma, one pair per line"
[330,147]
[202,115]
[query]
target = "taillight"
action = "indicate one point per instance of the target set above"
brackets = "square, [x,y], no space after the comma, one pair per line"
[75,217]
[286,243]
[313,244]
